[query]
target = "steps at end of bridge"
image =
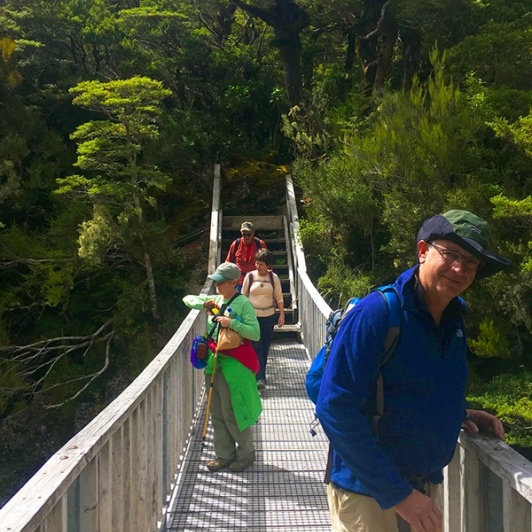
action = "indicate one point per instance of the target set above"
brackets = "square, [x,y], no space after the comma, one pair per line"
[273,230]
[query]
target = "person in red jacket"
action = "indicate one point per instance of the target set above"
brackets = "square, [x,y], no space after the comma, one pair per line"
[243,250]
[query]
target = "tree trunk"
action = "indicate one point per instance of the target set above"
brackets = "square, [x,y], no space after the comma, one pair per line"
[147,263]
[376,43]
[386,48]
[290,51]
[151,285]
[288,20]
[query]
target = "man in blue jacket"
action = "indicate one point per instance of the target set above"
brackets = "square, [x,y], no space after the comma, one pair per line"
[381,481]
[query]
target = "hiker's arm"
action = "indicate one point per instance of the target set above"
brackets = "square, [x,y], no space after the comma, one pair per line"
[246,285]
[197,302]
[278,296]
[231,253]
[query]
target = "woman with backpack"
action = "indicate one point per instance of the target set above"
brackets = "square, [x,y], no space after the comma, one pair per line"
[263,288]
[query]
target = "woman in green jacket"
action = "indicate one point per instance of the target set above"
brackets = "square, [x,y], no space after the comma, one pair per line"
[235,402]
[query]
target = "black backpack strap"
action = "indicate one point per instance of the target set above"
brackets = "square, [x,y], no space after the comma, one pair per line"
[236,245]
[250,277]
[328,467]
[222,310]
[225,305]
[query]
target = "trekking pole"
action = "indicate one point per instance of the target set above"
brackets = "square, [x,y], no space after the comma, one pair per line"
[209,398]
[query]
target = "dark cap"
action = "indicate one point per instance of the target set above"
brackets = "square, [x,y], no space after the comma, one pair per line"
[247,226]
[469,232]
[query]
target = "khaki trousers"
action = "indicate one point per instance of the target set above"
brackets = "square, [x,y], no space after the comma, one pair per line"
[352,512]
[225,428]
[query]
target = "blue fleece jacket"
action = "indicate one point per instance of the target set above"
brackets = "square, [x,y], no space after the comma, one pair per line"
[424,395]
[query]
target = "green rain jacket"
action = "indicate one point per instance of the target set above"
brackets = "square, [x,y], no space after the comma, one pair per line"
[242,383]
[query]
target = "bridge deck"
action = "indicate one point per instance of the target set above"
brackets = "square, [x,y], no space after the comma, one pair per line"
[283,489]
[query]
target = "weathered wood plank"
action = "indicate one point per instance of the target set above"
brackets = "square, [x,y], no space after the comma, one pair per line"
[265,223]
[57,518]
[156,459]
[506,463]
[452,495]
[118,480]
[517,511]
[89,497]
[104,488]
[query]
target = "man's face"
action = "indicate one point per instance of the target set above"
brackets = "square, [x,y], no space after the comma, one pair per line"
[247,236]
[446,269]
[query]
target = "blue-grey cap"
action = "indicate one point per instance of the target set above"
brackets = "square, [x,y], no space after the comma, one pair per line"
[227,271]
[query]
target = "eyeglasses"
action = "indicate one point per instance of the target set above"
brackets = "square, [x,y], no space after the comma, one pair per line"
[453,257]
[245,233]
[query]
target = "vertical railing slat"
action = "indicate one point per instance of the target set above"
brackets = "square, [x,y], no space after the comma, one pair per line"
[118,500]
[157,502]
[57,520]
[452,495]
[89,497]
[105,495]
[517,511]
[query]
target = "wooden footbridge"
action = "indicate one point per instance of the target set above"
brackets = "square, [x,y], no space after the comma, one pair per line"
[139,465]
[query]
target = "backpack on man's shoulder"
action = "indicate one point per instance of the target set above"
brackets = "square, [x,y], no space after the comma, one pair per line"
[255,239]
[237,242]
[317,367]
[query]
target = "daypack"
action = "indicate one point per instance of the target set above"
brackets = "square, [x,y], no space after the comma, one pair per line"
[315,372]
[253,280]
[317,367]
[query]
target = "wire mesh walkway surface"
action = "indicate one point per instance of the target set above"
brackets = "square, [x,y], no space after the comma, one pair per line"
[283,489]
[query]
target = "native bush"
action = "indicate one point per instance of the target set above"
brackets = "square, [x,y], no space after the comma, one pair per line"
[509,397]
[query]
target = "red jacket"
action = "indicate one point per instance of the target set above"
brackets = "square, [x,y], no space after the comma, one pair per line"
[244,255]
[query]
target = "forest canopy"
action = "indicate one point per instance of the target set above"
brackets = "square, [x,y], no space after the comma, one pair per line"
[113,114]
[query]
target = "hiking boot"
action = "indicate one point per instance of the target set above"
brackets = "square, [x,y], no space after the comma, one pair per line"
[240,465]
[219,463]
[261,384]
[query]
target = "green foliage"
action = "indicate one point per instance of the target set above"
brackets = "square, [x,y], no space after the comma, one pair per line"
[341,283]
[421,152]
[490,342]
[109,151]
[520,132]
[509,397]
[318,242]
[481,54]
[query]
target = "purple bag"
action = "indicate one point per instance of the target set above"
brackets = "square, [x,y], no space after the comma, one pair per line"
[199,352]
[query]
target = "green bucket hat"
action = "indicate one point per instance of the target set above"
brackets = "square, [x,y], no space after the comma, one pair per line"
[469,232]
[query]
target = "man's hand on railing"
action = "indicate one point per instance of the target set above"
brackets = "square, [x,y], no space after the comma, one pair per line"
[420,512]
[480,421]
